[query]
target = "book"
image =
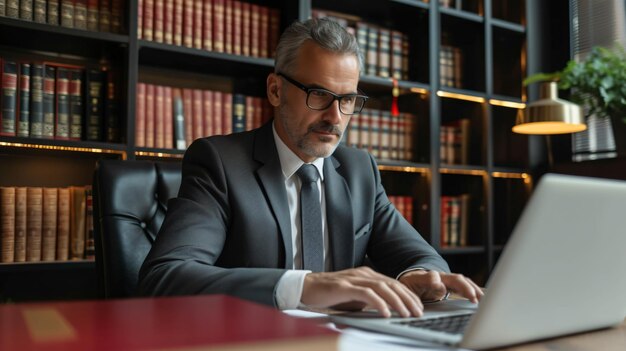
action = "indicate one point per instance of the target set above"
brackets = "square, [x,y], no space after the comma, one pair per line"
[371,56]
[188,23]
[90,248]
[188,112]
[140,5]
[159,117]
[207,25]
[246,18]
[112,128]
[92,15]
[237,26]
[76,104]
[274,32]
[62,121]
[384,53]
[140,116]
[48,101]
[148,19]
[104,15]
[39,11]
[13,8]
[168,118]
[178,22]
[49,224]
[228,26]
[158,23]
[77,222]
[116,16]
[36,100]
[80,14]
[26,10]
[150,114]
[264,25]
[94,109]
[249,112]
[197,23]
[23,120]
[20,224]
[9,97]
[67,13]
[207,98]
[168,22]
[53,12]
[217,113]
[385,134]
[63,225]
[34,219]
[239,113]
[396,55]
[227,113]
[255,32]
[179,120]
[7,224]
[197,114]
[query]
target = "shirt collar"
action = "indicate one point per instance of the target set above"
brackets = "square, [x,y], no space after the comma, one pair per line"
[289,161]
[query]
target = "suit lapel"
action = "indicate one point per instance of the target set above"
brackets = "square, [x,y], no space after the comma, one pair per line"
[338,216]
[271,176]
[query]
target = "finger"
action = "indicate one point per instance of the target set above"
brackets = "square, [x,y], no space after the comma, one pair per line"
[372,299]
[461,285]
[410,299]
[387,293]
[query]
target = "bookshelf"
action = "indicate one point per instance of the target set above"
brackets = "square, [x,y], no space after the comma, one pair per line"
[491,40]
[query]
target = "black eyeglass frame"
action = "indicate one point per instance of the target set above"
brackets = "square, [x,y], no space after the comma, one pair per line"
[338,97]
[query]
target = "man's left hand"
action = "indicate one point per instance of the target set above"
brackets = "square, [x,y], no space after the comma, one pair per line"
[433,286]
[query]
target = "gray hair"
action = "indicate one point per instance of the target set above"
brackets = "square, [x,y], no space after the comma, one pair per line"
[324,32]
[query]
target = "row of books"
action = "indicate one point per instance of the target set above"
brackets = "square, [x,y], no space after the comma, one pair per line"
[450,63]
[386,51]
[404,205]
[454,220]
[46,224]
[230,26]
[94,15]
[169,117]
[454,142]
[55,101]
[383,135]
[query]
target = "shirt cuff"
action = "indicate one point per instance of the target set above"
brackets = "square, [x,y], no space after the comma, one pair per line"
[289,289]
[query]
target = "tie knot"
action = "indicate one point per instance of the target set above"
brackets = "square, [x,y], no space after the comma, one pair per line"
[308,173]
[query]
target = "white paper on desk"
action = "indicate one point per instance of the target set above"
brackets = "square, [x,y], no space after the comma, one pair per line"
[362,340]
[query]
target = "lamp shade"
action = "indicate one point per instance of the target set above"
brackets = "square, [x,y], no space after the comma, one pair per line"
[550,115]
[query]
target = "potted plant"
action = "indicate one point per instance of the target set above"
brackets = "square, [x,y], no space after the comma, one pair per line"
[598,83]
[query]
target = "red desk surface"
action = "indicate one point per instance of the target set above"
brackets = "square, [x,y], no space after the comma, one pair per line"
[212,322]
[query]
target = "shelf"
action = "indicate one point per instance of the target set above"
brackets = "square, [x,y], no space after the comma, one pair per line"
[515,27]
[414,87]
[459,250]
[58,41]
[159,153]
[462,94]
[416,3]
[46,266]
[29,144]
[402,166]
[507,101]
[462,14]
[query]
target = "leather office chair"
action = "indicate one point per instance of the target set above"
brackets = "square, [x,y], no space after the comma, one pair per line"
[130,201]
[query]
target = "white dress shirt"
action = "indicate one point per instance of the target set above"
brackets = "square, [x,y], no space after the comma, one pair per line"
[289,288]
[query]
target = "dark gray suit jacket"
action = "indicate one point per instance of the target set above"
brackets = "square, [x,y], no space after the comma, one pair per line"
[228,230]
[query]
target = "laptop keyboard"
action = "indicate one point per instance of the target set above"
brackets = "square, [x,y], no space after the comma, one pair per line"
[448,324]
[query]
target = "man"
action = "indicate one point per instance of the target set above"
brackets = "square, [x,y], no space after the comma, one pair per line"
[237,226]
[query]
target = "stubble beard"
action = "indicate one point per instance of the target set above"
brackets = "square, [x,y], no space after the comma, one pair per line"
[318,146]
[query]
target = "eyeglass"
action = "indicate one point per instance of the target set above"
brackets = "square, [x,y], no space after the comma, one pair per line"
[320,99]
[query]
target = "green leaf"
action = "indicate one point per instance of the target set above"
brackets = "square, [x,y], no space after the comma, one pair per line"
[541,77]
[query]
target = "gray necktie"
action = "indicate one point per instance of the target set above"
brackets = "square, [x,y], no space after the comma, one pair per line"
[311,220]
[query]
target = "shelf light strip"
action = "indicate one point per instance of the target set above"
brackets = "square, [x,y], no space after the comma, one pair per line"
[510,175]
[419,90]
[461,96]
[511,104]
[157,154]
[476,172]
[405,169]
[65,148]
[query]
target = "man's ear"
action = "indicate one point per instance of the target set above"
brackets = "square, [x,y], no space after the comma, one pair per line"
[273,89]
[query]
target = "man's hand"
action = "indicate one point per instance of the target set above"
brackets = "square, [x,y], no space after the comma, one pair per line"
[360,287]
[432,285]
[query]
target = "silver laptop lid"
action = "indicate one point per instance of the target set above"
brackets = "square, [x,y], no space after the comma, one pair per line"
[564,268]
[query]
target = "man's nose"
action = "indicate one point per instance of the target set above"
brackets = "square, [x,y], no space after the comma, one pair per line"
[333,115]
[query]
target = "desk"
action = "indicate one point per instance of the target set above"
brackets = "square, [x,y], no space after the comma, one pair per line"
[197,323]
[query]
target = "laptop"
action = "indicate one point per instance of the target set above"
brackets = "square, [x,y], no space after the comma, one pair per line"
[563,271]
